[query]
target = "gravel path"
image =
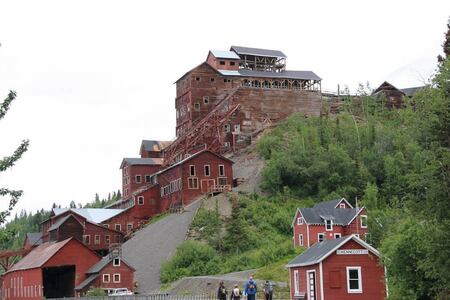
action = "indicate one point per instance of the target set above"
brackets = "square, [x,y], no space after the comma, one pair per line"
[153,245]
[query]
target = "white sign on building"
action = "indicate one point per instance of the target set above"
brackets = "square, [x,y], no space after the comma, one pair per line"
[352,251]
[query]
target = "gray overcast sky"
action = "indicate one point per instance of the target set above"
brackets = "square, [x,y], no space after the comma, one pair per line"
[94,78]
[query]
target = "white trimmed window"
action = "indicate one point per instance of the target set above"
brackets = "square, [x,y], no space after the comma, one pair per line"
[296,283]
[193,183]
[140,200]
[138,178]
[116,262]
[148,178]
[320,237]
[106,278]
[300,239]
[354,280]
[116,278]
[299,221]
[129,226]
[207,170]
[363,221]
[328,225]
[97,239]
[337,235]
[342,205]
[87,239]
[107,239]
[118,227]
[221,170]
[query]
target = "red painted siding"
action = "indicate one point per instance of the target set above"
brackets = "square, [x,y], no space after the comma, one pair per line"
[355,226]
[129,183]
[126,277]
[24,284]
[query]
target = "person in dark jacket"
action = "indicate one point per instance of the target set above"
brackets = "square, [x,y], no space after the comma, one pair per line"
[268,290]
[251,289]
[222,292]
[236,293]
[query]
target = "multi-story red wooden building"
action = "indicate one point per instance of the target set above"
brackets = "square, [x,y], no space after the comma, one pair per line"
[338,269]
[328,220]
[225,100]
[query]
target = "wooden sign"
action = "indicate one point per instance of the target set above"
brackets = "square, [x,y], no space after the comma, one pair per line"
[352,252]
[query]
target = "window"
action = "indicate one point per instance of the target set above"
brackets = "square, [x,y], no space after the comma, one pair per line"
[232,63]
[116,262]
[97,239]
[342,205]
[87,239]
[363,221]
[296,283]
[197,106]
[138,178]
[192,183]
[237,128]
[212,79]
[118,227]
[300,239]
[320,237]
[148,178]
[197,78]
[222,62]
[337,235]
[205,99]
[140,200]
[299,221]
[107,239]
[221,170]
[129,226]
[222,181]
[106,278]
[227,128]
[207,170]
[106,225]
[328,225]
[192,170]
[354,280]
[116,278]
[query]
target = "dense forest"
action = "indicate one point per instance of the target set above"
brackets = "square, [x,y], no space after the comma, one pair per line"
[396,162]
[12,234]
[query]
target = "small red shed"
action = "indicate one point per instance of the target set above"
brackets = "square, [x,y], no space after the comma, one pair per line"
[338,269]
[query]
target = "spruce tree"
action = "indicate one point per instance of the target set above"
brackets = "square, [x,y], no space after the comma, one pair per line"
[8,161]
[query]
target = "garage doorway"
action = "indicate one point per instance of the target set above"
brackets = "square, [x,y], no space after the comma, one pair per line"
[59,282]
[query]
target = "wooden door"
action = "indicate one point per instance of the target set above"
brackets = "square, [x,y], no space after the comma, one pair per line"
[311,284]
[207,185]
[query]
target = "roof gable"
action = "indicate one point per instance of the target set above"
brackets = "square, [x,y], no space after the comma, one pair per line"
[223,54]
[322,250]
[386,86]
[61,221]
[104,262]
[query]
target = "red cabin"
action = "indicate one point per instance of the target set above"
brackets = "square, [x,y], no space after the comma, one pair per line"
[136,173]
[344,268]
[328,220]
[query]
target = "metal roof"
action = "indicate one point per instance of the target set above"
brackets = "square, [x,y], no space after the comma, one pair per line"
[224,54]
[39,255]
[151,145]
[318,252]
[103,263]
[257,52]
[142,161]
[95,215]
[305,75]
[34,238]
[340,216]
[412,90]
[87,282]
[59,222]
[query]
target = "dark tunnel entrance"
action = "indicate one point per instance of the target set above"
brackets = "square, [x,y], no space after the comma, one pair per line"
[59,282]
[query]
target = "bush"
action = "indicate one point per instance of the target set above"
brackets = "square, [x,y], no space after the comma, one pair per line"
[96,292]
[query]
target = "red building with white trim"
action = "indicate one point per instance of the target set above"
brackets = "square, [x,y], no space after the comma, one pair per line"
[328,220]
[344,268]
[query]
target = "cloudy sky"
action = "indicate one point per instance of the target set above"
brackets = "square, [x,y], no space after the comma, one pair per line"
[94,78]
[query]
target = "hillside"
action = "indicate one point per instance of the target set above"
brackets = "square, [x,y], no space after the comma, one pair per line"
[396,162]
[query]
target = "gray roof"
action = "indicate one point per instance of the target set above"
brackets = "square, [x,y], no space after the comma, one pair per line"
[257,51]
[142,161]
[225,54]
[34,238]
[100,265]
[86,282]
[151,145]
[412,90]
[340,216]
[305,75]
[330,204]
[59,223]
[95,215]
[322,250]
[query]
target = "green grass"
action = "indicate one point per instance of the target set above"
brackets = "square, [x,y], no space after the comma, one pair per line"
[276,271]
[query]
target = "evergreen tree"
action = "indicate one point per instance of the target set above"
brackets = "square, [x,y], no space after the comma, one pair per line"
[9,161]
[72,204]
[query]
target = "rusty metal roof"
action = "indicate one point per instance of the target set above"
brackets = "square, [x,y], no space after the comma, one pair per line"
[39,255]
[34,238]
[151,145]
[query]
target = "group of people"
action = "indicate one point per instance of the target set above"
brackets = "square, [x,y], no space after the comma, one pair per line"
[250,290]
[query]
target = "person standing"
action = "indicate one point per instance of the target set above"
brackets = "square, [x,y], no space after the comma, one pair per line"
[222,292]
[236,293]
[268,290]
[251,289]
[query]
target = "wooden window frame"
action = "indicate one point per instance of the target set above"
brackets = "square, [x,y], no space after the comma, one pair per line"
[300,221]
[97,239]
[361,221]
[139,200]
[107,239]
[222,62]
[106,276]
[193,187]
[300,239]
[360,288]
[114,278]
[114,262]
[129,228]
[331,225]
[136,178]
[118,225]
[87,239]
[148,178]
[337,234]
[209,170]
[222,171]
[222,178]
[296,283]
[318,237]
